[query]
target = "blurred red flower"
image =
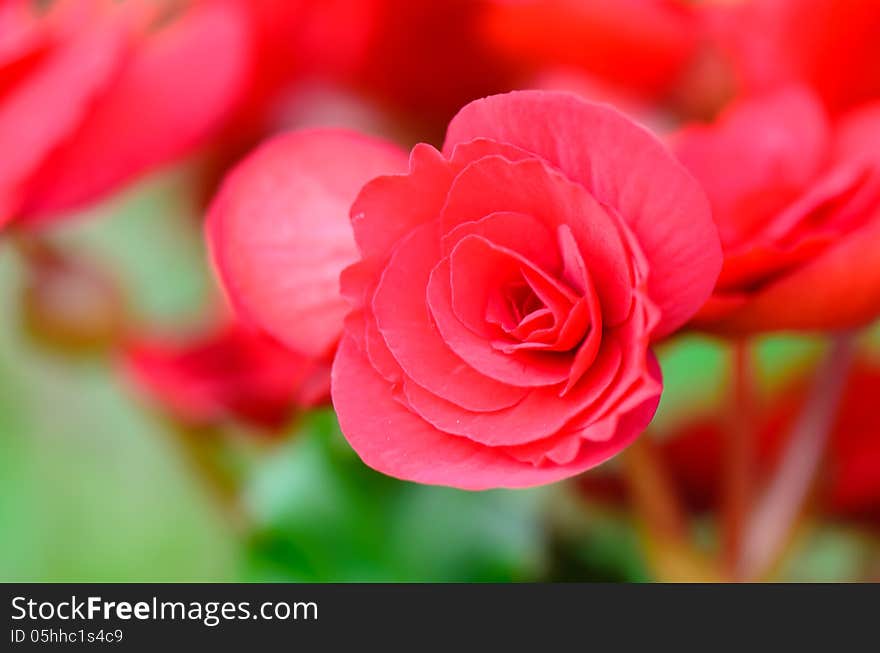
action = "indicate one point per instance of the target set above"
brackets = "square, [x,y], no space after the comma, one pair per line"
[796,197]
[832,45]
[280,234]
[227,373]
[292,43]
[643,46]
[95,93]
[426,59]
[849,486]
[420,60]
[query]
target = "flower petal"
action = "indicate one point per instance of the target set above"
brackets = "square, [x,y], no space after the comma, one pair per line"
[756,158]
[403,445]
[839,289]
[530,187]
[280,234]
[228,372]
[539,415]
[625,168]
[521,369]
[402,316]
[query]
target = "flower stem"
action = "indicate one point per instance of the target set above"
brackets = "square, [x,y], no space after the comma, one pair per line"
[738,466]
[776,512]
[200,447]
[661,518]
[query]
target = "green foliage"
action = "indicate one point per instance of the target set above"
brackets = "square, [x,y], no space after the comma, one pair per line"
[324,516]
[91,486]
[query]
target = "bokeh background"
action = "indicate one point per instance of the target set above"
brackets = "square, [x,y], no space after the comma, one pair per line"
[99,483]
[95,485]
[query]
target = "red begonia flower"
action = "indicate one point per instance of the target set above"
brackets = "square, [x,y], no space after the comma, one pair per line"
[508,289]
[831,45]
[797,201]
[508,292]
[850,481]
[229,373]
[640,45]
[95,94]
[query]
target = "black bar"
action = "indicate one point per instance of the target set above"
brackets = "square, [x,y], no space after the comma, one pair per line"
[462,617]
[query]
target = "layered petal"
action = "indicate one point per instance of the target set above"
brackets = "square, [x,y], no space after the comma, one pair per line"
[616,372]
[530,187]
[624,167]
[521,368]
[403,318]
[403,445]
[838,289]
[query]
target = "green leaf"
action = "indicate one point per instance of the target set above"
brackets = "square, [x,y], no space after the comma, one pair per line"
[324,516]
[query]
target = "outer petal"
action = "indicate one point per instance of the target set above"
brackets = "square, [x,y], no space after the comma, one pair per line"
[175,90]
[839,289]
[625,168]
[280,234]
[757,157]
[226,373]
[402,445]
[391,206]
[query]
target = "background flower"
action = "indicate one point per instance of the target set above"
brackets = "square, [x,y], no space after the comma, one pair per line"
[229,373]
[96,94]
[643,46]
[828,44]
[796,199]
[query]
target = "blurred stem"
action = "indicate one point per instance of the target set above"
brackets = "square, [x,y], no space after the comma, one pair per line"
[775,516]
[738,462]
[662,522]
[35,250]
[68,304]
[651,490]
[202,449]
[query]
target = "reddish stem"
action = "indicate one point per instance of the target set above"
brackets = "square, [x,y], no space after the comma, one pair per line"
[772,523]
[651,490]
[738,471]
[661,518]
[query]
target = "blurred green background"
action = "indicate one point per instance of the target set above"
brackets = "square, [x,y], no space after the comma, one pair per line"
[94,486]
